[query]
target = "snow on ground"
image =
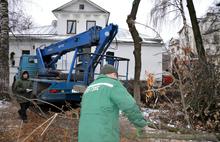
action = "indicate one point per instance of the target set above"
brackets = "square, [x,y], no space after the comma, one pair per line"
[147,111]
[4,104]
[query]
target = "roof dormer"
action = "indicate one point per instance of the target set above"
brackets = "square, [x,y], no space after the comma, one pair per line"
[81,6]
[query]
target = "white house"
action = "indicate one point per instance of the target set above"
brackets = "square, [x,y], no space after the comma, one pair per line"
[75,17]
[209,28]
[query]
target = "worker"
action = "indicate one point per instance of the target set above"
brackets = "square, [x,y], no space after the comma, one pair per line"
[23,89]
[101,102]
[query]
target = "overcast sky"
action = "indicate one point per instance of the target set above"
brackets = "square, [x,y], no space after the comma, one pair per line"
[40,10]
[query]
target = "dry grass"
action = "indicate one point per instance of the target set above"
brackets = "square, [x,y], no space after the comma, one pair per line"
[63,128]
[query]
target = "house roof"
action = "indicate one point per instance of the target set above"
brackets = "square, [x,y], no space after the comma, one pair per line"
[49,33]
[124,35]
[42,30]
[74,1]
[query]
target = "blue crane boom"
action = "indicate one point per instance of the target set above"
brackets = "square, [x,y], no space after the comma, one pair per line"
[48,83]
[95,36]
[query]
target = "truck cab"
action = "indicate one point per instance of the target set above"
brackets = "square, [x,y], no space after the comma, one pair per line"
[27,63]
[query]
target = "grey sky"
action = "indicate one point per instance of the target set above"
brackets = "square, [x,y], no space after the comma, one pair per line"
[40,10]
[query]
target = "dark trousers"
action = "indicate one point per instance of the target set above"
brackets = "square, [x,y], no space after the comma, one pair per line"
[22,111]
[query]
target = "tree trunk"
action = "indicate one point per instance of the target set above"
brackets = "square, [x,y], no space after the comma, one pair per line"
[197,35]
[4,50]
[186,32]
[137,49]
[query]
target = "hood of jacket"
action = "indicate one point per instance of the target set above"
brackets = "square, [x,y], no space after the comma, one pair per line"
[23,72]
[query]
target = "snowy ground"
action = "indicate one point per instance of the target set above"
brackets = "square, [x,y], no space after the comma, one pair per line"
[4,104]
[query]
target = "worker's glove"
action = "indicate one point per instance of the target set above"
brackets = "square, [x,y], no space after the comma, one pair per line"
[139,131]
[148,122]
[28,90]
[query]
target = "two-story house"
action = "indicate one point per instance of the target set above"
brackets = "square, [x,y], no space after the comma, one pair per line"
[209,27]
[73,18]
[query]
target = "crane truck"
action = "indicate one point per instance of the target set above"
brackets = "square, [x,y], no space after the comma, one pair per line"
[51,84]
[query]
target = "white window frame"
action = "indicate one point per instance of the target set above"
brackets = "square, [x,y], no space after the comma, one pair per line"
[89,26]
[71,29]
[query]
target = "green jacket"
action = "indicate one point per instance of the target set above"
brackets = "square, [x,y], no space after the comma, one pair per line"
[101,102]
[20,89]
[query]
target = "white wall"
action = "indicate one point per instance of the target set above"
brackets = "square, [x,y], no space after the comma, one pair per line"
[151,55]
[72,12]
[151,59]
[80,21]
[87,7]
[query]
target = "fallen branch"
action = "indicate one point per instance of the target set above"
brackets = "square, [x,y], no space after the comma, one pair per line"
[38,128]
[168,135]
[32,101]
[54,116]
[48,104]
[163,126]
[19,133]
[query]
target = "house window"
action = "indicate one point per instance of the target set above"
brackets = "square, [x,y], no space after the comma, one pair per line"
[110,58]
[85,56]
[27,52]
[71,26]
[81,6]
[90,24]
[12,58]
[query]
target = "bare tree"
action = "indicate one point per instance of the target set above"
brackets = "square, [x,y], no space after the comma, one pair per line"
[137,48]
[4,49]
[163,9]
[197,79]
[196,32]
[18,19]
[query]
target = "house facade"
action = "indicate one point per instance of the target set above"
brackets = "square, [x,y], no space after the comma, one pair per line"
[210,31]
[73,18]
[77,16]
